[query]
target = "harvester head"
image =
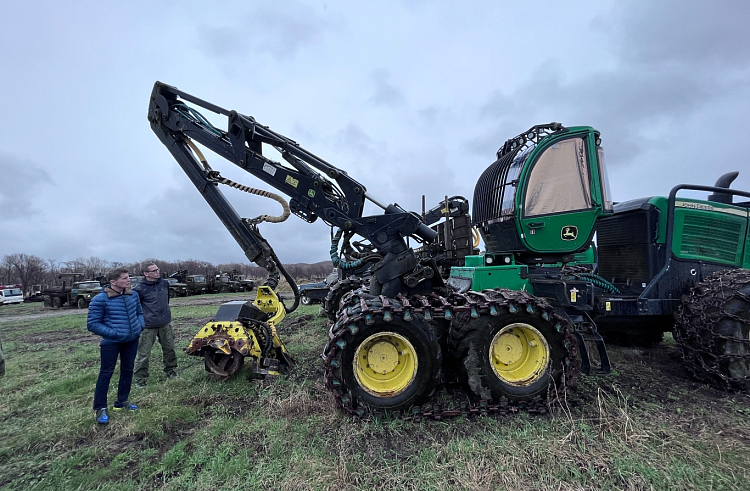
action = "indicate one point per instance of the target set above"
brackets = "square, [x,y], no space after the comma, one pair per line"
[243,330]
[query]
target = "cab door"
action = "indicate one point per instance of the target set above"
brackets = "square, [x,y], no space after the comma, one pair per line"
[556,206]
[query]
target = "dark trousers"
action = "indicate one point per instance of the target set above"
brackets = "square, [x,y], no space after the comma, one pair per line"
[110,352]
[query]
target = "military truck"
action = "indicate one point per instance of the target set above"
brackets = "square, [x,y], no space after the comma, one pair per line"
[195,284]
[244,284]
[73,291]
[177,289]
[222,283]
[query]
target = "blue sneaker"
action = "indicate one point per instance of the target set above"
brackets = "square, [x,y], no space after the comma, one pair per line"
[101,416]
[127,405]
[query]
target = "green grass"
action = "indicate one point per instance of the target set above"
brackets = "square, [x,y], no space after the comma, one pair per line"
[643,427]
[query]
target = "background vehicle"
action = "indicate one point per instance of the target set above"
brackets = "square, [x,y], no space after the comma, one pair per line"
[514,319]
[72,292]
[316,292]
[11,294]
[134,280]
[245,284]
[34,294]
[177,289]
[195,284]
[82,293]
[222,282]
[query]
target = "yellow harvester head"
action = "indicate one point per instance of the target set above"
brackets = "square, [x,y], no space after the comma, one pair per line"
[241,330]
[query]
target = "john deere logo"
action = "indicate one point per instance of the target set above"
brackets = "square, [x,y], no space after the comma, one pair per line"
[311,193]
[569,232]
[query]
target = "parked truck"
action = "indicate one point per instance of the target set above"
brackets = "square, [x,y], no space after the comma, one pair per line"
[34,293]
[10,294]
[195,284]
[72,292]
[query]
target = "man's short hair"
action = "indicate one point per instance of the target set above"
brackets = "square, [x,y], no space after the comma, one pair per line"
[115,273]
[144,268]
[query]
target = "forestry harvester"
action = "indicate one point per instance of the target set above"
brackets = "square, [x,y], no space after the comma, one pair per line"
[516,321]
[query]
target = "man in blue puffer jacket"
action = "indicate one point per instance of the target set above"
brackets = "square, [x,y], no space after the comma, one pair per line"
[115,314]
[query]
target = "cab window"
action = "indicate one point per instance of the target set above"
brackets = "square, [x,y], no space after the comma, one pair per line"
[559,181]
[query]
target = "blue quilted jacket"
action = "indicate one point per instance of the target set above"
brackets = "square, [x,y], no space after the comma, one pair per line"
[116,317]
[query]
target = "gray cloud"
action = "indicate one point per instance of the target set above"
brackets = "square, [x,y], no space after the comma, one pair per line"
[686,32]
[409,100]
[386,94]
[21,186]
[279,31]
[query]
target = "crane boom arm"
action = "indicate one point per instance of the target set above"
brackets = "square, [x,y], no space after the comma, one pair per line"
[315,187]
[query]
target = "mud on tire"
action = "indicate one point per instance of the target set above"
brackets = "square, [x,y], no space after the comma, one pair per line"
[376,361]
[519,354]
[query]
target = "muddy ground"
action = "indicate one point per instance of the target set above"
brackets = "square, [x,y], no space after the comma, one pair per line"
[642,376]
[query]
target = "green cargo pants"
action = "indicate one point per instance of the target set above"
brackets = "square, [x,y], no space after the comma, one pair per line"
[165,335]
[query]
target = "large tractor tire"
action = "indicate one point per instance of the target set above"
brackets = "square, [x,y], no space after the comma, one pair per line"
[712,328]
[332,302]
[518,355]
[379,362]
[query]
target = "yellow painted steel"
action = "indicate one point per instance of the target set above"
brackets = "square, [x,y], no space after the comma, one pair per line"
[226,336]
[519,354]
[267,301]
[385,364]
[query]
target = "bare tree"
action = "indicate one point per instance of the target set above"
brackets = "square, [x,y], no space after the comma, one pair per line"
[28,269]
[6,271]
[53,270]
[93,267]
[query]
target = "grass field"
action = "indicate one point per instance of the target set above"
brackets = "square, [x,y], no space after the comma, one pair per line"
[647,425]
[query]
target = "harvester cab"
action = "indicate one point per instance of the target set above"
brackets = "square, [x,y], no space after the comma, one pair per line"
[243,330]
[540,200]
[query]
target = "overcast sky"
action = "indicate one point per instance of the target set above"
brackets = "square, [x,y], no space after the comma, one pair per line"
[409,97]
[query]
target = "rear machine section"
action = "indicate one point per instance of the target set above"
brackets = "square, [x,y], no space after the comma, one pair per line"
[655,259]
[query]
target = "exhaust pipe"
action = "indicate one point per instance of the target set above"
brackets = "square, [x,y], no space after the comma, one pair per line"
[724,182]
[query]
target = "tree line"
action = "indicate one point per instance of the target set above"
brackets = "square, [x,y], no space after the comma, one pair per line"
[28,269]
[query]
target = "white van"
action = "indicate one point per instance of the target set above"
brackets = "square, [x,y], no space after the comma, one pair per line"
[11,295]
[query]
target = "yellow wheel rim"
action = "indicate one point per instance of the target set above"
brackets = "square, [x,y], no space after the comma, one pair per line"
[519,354]
[385,364]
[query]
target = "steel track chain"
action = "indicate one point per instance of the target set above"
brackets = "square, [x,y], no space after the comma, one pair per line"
[706,352]
[337,292]
[437,307]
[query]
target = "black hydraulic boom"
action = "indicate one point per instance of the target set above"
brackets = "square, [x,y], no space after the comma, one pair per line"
[315,187]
